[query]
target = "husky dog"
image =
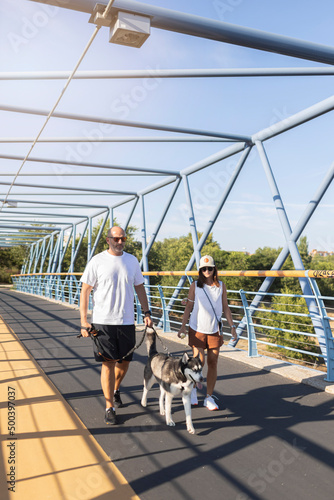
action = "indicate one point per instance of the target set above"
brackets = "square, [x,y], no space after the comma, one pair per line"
[175,376]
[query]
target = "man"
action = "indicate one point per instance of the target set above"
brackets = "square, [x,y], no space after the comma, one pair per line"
[111,275]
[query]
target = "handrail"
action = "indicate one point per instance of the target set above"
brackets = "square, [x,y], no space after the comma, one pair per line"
[313,273]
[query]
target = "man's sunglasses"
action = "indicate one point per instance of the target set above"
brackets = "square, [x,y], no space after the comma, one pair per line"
[116,240]
[207,269]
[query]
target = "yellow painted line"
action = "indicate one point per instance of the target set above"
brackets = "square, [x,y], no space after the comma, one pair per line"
[46,451]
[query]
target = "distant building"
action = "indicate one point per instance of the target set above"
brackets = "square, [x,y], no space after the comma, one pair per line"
[320,253]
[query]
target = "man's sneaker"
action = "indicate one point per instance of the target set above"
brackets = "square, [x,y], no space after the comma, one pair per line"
[110,416]
[193,396]
[117,400]
[210,403]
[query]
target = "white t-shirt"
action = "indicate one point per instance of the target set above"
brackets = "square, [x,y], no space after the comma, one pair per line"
[112,278]
[202,318]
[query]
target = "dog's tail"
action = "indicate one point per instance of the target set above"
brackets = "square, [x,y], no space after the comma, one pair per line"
[151,342]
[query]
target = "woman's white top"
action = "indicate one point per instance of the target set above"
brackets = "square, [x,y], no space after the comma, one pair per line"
[202,318]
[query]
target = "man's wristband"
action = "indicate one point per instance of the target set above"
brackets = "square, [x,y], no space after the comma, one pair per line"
[147,312]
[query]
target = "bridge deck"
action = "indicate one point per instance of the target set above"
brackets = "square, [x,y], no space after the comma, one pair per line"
[273,438]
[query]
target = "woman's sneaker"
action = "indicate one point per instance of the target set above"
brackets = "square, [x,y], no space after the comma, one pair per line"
[210,403]
[193,397]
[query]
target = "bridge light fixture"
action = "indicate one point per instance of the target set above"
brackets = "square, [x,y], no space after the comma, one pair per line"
[129,29]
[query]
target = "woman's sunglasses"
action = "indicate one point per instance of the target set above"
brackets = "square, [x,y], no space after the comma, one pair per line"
[116,240]
[207,269]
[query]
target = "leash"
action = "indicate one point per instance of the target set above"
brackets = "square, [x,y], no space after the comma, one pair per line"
[93,333]
[136,346]
[163,345]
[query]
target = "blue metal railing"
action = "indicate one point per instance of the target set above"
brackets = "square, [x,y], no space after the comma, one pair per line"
[285,329]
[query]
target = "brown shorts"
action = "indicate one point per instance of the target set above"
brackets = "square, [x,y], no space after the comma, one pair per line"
[204,340]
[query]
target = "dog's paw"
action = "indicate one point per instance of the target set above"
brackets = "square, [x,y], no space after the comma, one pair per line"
[162,412]
[171,423]
[143,403]
[191,430]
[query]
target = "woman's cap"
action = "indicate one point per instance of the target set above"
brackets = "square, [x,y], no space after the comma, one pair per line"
[205,261]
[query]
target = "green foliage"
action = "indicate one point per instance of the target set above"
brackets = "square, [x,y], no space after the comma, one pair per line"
[11,260]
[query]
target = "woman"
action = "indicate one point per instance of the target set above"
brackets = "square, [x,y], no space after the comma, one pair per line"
[207,300]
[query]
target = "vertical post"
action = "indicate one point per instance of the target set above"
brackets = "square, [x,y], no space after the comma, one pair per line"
[73,248]
[143,244]
[56,254]
[192,220]
[89,242]
[111,217]
[165,314]
[61,250]
[98,236]
[31,256]
[51,252]
[139,311]
[131,214]
[252,346]
[156,230]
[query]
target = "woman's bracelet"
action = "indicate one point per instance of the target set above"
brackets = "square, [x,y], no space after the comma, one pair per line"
[233,326]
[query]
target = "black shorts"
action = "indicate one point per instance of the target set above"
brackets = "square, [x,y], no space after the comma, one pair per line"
[113,342]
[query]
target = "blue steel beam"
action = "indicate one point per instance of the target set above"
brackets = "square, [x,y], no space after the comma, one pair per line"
[68,188]
[211,223]
[143,237]
[164,73]
[314,111]
[162,218]
[293,249]
[295,235]
[124,123]
[191,219]
[211,29]
[89,165]
[77,248]
[35,228]
[127,222]
[108,139]
[98,236]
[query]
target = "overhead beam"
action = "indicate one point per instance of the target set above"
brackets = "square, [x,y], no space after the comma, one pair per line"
[87,164]
[123,123]
[167,73]
[211,29]
[67,188]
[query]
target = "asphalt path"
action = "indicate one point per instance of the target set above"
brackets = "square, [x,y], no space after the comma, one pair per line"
[272,438]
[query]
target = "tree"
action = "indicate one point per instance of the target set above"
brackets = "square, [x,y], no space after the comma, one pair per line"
[11,261]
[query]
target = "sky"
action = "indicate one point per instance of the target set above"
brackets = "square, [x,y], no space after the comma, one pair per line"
[39,37]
